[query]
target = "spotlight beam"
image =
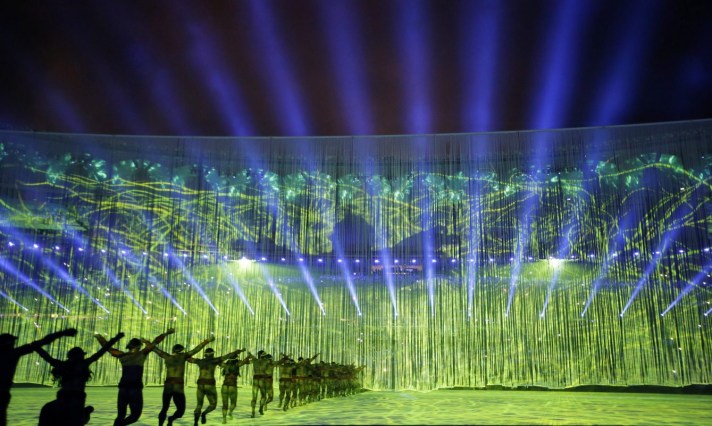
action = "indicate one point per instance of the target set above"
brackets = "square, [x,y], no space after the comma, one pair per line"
[693,284]
[413,35]
[12,270]
[338,20]
[238,289]
[6,296]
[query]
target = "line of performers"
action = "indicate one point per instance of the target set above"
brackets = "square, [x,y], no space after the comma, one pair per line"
[300,381]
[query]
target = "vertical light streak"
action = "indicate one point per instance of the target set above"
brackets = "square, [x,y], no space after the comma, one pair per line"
[203,48]
[563,253]
[679,214]
[620,82]
[277,70]
[342,34]
[480,29]
[272,287]
[312,288]
[413,38]
[558,64]
[121,104]
[238,289]
[142,59]
[385,256]
[346,272]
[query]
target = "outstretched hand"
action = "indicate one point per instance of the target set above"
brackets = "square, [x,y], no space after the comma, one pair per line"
[170,331]
[71,332]
[210,339]
[120,335]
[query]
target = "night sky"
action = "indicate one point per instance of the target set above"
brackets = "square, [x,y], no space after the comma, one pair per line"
[335,67]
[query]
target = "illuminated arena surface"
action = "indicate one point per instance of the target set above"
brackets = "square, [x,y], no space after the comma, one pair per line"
[489,407]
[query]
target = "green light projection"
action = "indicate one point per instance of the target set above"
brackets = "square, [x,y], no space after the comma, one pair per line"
[156,239]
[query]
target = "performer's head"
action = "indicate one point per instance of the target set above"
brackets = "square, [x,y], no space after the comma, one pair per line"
[209,353]
[76,354]
[178,348]
[7,341]
[134,344]
[261,354]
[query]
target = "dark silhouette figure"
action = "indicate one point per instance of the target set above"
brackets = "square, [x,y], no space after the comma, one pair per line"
[231,371]
[206,382]
[72,375]
[262,370]
[174,386]
[10,356]
[131,383]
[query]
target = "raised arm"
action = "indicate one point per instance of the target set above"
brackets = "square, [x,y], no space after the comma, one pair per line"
[248,359]
[313,358]
[231,354]
[158,339]
[103,342]
[105,348]
[47,357]
[155,349]
[200,346]
[26,349]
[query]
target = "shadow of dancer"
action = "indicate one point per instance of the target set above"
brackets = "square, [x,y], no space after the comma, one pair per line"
[10,356]
[131,383]
[72,375]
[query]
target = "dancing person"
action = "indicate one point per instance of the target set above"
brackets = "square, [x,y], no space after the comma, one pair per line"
[301,377]
[10,356]
[263,368]
[206,382]
[73,374]
[285,366]
[174,387]
[228,391]
[131,383]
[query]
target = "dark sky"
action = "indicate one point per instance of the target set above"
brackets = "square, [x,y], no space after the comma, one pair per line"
[336,67]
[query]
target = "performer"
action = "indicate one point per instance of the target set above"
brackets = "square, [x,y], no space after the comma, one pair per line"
[301,377]
[10,356]
[230,372]
[131,383]
[72,375]
[173,387]
[263,368]
[206,382]
[286,384]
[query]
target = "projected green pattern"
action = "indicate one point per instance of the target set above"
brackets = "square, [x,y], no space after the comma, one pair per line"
[163,232]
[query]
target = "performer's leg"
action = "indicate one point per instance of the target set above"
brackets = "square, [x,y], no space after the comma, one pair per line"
[212,395]
[200,396]
[255,391]
[135,399]
[225,395]
[166,400]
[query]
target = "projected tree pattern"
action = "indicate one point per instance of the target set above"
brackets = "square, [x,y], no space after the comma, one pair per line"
[433,271]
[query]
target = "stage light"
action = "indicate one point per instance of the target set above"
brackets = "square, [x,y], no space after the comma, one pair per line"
[555,263]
